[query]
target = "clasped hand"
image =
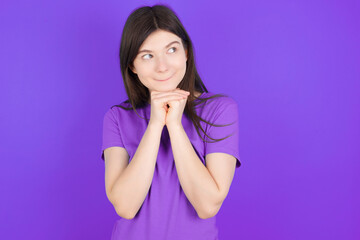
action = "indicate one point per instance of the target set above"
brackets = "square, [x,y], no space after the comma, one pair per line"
[167,107]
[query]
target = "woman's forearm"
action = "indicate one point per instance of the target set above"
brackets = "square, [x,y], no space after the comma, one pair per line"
[199,186]
[132,186]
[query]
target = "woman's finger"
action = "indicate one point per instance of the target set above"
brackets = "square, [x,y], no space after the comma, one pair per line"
[179,91]
[168,94]
[169,98]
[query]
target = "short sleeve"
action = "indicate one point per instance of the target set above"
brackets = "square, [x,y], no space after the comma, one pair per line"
[226,113]
[111,132]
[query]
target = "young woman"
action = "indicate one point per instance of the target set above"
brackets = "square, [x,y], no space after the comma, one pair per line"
[171,149]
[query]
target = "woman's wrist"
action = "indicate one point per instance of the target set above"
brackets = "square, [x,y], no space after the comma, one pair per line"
[156,126]
[174,126]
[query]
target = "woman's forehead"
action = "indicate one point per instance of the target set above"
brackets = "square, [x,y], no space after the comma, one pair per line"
[159,39]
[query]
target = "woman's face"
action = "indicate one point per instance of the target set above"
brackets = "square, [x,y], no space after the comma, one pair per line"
[161,61]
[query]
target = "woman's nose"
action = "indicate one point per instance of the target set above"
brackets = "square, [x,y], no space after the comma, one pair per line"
[161,64]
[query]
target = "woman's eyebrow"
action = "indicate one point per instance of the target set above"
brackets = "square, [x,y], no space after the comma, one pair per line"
[145,50]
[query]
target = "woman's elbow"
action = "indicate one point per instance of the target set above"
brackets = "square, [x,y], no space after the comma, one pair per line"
[208,213]
[124,213]
[121,210]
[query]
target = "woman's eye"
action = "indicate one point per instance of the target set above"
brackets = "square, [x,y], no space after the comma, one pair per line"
[149,56]
[174,49]
[144,57]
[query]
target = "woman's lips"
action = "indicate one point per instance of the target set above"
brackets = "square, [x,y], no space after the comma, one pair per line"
[164,79]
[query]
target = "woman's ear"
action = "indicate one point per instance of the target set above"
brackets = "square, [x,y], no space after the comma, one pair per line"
[132,69]
[186,54]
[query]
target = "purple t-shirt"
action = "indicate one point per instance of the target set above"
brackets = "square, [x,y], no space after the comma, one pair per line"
[166,213]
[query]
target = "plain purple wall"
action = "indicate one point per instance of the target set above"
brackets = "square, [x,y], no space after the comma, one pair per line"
[293,67]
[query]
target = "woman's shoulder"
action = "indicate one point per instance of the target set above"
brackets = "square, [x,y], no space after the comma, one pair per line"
[123,107]
[212,99]
[124,104]
[218,107]
[125,110]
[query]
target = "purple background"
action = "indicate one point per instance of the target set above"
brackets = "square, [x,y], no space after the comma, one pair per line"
[293,67]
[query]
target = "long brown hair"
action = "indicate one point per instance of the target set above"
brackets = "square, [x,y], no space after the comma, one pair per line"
[139,25]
